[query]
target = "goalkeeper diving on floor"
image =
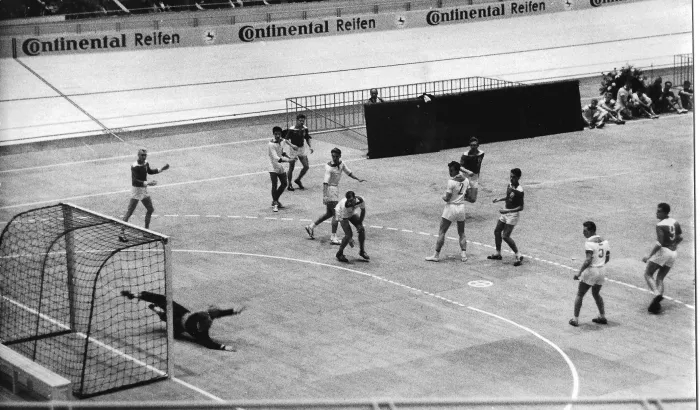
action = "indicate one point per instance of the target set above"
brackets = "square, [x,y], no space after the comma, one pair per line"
[196,324]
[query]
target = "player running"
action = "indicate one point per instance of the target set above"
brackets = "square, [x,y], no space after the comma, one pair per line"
[454,211]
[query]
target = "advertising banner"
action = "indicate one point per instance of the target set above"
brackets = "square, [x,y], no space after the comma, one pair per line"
[286,30]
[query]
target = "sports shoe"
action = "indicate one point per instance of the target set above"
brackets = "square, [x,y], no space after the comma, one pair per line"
[290,188]
[364,255]
[655,306]
[335,240]
[280,206]
[432,259]
[123,238]
[310,231]
[464,258]
[495,257]
[573,323]
[600,320]
[275,208]
[518,262]
[601,125]
[298,182]
[341,257]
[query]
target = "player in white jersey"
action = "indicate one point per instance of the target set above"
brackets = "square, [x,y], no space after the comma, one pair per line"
[331,179]
[592,272]
[277,172]
[455,210]
[346,213]
[663,255]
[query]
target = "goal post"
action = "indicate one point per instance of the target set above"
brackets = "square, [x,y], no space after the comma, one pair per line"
[62,271]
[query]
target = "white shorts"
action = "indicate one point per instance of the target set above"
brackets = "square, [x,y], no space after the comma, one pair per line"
[454,212]
[664,257]
[333,193]
[296,153]
[139,192]
[594,275]
[510,218]
[474,181]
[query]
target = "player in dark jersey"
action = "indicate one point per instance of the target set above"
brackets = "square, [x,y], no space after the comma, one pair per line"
[510,214]
[197,324]
[296,137]
[471,161]
[663,254]
[139,173]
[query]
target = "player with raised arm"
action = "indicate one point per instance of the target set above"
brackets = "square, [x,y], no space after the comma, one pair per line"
[592,272]
[662,255]
[334,170]
[346,213]
[471,165]
[298,140]
[454,211]
[277,172]
[139,173]
[197,324]
[510,214]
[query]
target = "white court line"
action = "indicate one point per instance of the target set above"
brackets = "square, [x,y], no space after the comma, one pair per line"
[570,364]
[159,186]
[87,161]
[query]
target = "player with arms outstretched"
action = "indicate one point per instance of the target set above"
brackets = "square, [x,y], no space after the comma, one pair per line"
[454,210]
[510,214]
[139,173]
[471,165]
[662,255]
[592,272]
[197,324]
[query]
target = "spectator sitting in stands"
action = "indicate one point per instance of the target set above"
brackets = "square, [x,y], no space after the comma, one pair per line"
[670,100]
[374,97]
[593,115]
[686,96]
[655,92]
[623,103]
[641,105]
[607,103]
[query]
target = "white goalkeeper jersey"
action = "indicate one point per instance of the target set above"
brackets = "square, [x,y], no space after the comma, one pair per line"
[600,249]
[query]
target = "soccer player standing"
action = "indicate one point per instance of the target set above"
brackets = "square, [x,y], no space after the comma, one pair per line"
[510,215]
[346,213]
[299,140]
[334,170]
[139,173]
[592,272]
[454,211]
[662,255]
[277,172]
[471,161]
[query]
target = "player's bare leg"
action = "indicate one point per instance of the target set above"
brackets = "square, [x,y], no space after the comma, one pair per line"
[601,305]
[305,168]
[360,235]
[290,174]
[444,226]
[149,211]
[578,302]
[507,230]
[129,211]
[655,306]
[498,238]
[346,239]
[462,240]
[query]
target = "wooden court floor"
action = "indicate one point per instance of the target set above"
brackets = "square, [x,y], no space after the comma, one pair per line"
[398,326]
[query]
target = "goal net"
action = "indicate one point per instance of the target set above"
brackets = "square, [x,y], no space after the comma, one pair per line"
[62,269]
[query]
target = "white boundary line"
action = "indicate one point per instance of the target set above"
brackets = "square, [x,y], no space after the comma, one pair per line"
[570,364]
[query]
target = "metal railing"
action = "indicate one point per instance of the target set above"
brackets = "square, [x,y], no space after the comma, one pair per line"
[376,404]
[682,69]
[344,110]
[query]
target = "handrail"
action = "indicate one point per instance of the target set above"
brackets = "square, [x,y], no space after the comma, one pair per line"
[111,22]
